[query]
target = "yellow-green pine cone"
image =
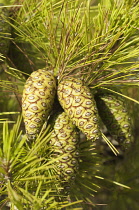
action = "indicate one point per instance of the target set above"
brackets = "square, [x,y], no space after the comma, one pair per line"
[64,142]
[37,101]
[78,102]
[113,111]
[5,30]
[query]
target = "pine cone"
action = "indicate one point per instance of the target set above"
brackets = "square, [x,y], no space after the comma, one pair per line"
[112,109]
[78,102]
[37,100]
[5,30]
[64,142]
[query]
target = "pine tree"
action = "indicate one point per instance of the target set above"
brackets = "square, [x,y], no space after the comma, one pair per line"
[90,49]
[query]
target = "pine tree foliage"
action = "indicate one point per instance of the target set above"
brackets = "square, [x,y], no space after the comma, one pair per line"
[72,39]
[83,39]
[26,180]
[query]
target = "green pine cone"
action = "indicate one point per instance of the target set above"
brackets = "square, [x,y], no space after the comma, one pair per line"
[5,30]
[64,142]
[78,102]
[112,109]
[37,100]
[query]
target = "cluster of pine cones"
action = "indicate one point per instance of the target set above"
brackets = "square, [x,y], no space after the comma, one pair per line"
[81,110]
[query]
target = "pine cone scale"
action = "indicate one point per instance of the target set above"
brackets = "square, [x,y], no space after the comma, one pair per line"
[80,108]
[64,142]
[37,99]
[113,111]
